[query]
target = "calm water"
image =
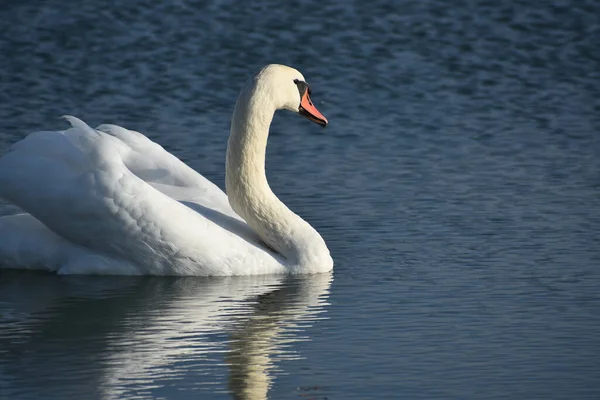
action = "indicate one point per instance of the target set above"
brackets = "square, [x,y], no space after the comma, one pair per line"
[457,186]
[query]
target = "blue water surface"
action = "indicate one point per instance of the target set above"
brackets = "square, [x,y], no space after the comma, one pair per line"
[457,187]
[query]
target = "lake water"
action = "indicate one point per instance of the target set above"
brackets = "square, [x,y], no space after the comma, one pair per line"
[457,187]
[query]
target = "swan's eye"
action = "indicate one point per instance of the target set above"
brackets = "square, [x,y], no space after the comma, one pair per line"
[302,87]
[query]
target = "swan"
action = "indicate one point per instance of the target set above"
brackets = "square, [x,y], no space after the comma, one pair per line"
[111,201]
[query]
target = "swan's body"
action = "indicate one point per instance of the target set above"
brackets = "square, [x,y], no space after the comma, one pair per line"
[111,201]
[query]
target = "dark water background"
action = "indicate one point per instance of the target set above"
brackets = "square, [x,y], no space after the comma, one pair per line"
[457,186]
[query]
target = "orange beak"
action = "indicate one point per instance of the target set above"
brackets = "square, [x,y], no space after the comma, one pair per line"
[308,110]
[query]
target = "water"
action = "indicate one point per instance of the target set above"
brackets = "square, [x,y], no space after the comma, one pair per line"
[457,186]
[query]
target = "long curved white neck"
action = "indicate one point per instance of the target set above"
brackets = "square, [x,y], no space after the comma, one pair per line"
[249,192]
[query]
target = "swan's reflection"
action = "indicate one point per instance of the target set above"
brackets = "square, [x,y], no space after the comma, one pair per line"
[99,337]
[275,317]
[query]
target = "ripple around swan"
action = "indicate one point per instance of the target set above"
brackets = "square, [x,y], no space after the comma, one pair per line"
[125,337]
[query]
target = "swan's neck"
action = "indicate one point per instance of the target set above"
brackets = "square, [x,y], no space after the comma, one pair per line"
[249,192]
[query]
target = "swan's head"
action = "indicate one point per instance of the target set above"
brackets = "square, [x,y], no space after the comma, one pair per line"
[289,91]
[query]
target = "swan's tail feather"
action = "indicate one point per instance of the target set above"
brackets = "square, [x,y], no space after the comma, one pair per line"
[79,124]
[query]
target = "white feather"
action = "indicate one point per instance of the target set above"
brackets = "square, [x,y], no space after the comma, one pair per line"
[111,201]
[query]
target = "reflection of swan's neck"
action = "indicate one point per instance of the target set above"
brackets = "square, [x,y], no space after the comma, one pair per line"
[249,192]
[255,344]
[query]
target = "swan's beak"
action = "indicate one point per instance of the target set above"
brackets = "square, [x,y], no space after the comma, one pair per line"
[308,110]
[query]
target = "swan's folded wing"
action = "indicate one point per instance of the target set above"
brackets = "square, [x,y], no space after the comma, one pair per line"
[84,191]
[26,243]
[152,163]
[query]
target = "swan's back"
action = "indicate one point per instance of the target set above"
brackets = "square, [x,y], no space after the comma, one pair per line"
[106,193]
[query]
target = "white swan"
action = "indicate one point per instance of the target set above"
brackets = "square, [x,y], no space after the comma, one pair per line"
[111,201]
